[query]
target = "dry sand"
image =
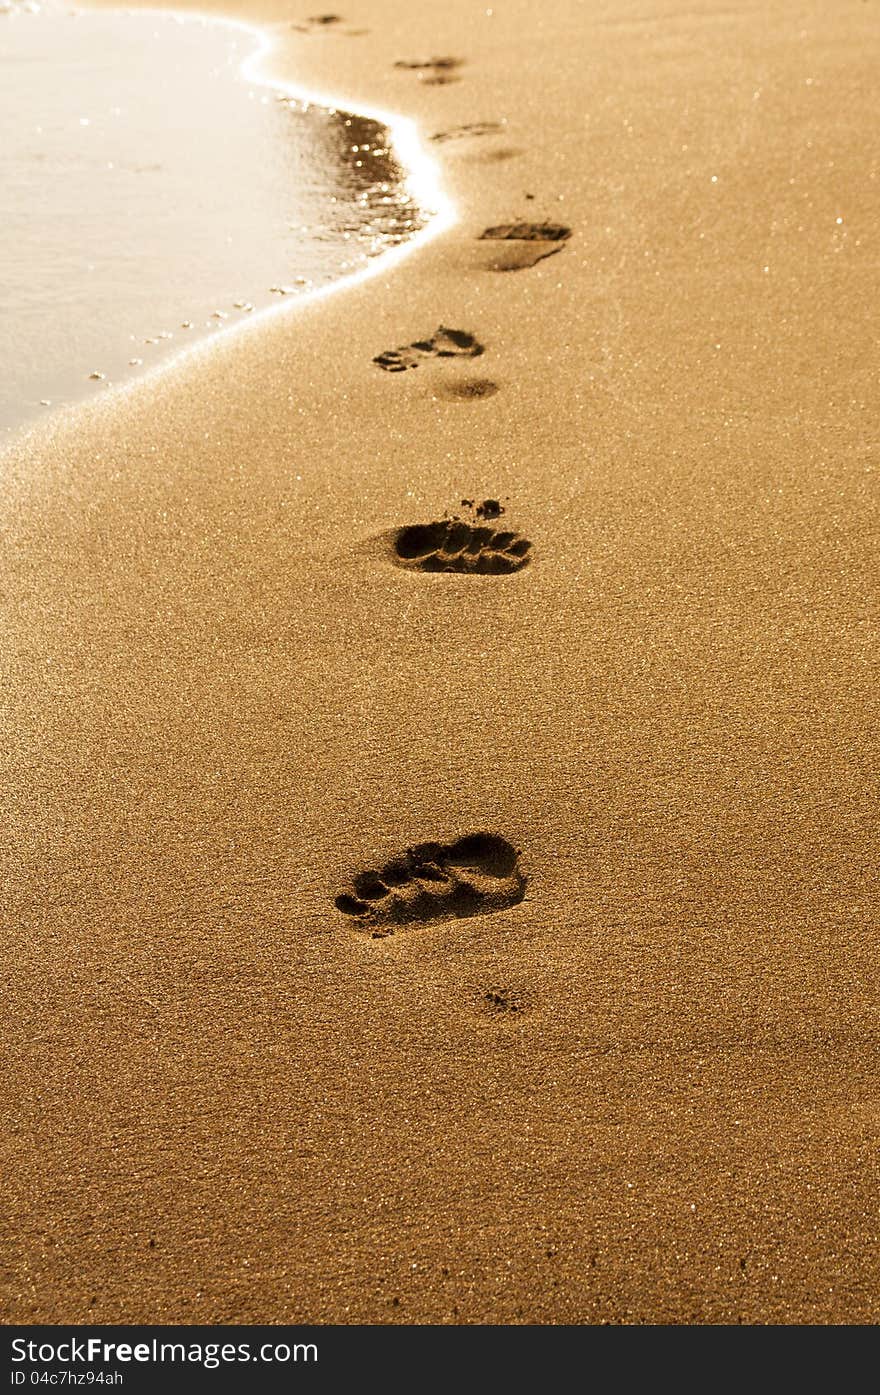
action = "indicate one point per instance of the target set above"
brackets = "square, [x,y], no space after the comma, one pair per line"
[648,1091]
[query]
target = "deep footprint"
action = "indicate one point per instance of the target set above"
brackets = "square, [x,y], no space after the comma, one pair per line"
[525,244]
[475,875]
[446,343]
[453,545]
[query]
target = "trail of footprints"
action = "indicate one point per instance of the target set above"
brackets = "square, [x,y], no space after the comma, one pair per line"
[479,872]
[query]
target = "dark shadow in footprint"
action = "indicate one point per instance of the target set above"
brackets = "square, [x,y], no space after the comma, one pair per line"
[474,875]
[466,390]
[490,508]
[446,343]
[524,243]
[453,545]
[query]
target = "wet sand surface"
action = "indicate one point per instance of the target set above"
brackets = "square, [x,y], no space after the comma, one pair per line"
[162,194]
[647,1089]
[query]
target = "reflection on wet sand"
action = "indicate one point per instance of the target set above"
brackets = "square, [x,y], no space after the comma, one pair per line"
[163,197]
[371,201]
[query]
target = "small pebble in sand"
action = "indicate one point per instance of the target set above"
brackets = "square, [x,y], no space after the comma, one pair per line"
[134,362]
[186,324]
[97,377]
[219,315]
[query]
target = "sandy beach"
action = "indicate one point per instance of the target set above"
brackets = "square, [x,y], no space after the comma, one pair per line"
[637,1081]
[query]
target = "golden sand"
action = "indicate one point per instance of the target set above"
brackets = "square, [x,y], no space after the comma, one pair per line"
[648,1090]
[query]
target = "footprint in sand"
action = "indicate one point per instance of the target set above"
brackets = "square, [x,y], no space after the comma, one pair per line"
[317,22]
[452,545]
[500,1000]
[446,343]
[524,244]
[475,875]
[464,545]
[475,128]
[497,156]
[466,390]
[434,72]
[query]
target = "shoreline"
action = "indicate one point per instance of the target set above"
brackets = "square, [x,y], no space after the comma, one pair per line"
[421,178]
[640,1084]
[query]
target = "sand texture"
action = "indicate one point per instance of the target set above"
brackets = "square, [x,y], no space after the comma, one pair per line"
[603,1046]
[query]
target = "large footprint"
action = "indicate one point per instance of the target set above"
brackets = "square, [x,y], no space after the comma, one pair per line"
[474,875]
[453,545]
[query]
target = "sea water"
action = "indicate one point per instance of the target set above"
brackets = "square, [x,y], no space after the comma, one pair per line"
[152,192]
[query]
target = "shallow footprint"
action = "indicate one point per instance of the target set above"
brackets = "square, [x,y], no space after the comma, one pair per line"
[446,343]
[474,875]
[466,390]
[454,545]
[496,156]
[501,1001]
[525,244]
[436,72]
[475,128]
[317,22]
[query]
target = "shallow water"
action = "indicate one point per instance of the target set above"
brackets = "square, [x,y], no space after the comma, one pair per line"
[151,193]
